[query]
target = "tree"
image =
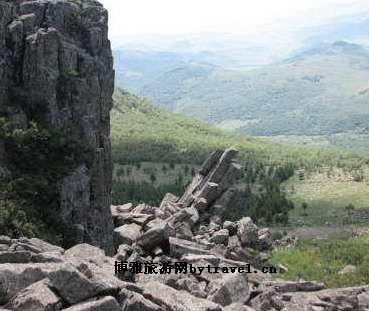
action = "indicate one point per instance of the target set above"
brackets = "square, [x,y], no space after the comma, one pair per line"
[138,165]
[153,178]
[304,207]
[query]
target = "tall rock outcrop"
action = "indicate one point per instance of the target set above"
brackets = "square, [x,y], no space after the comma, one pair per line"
[56,69]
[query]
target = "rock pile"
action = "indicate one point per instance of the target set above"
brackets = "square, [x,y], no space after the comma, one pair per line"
[35,275]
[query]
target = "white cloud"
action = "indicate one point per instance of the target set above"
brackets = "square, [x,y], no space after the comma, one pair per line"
[135,17]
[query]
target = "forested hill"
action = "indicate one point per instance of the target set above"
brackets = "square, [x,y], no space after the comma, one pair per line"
[322,91]
[143,132]
[156,151]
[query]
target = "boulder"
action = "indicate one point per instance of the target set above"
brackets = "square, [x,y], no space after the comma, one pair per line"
[116,210]
[265,241]
[171,299]
[233,288]
[144,209]
[123,252]
[129,218]
[15,277]
[47,257]
[132,301]
[231,227]
[72,286]
[180,247]
[37,296]
[191,285]
[247,232]
[86,252]
[220,237]
[238,307]
[37,246]
[107,303]
[126,234]
[291,286]
[155,237]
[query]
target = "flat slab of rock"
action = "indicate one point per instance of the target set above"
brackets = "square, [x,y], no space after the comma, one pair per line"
[180,247]
[107,303]
[290,286]
[171,299]
[38,246]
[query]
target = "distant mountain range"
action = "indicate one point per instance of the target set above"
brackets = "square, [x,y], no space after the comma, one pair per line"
[320,91]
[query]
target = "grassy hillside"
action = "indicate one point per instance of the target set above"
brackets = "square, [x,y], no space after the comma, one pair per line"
[323,92]
[156,151]
[321,260]
[142,132]
[331,196]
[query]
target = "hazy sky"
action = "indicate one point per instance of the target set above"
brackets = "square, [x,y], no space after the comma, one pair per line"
[134,17]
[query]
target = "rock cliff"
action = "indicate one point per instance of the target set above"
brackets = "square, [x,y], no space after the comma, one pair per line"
[56,70]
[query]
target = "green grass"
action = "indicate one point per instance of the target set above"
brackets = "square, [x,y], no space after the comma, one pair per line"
[327,194]
[322,260]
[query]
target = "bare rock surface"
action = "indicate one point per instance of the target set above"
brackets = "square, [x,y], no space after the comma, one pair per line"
[56,67]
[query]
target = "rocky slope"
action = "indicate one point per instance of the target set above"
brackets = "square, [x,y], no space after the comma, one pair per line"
[56,69]
[35,275]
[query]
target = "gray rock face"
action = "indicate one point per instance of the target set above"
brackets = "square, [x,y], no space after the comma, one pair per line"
[107,303]
[228,290]
[247,232]
[16,277]
[171,299]
[56,67]
[126,234]
[211,187]
[72,285]
[38,296]
[132,301]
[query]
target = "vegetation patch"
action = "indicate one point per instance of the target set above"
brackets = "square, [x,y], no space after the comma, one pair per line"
[37,158]
[321,260]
